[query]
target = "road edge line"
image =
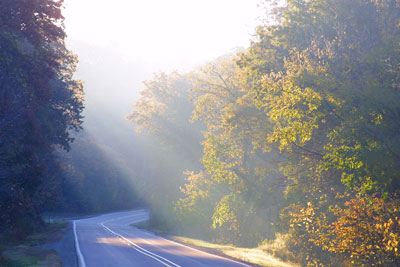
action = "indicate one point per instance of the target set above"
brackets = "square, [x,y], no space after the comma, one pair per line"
[81,260]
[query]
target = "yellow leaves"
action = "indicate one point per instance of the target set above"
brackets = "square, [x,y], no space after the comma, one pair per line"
[365,228]
[378,119]
[294,109]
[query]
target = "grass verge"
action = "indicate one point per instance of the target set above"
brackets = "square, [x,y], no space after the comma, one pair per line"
[252,256]
[25,253]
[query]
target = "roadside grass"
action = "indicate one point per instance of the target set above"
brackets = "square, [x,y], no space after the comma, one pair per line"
[252,256]
[22,256]
[25,253]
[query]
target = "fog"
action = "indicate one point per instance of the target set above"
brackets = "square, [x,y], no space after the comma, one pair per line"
[163,35]
[111,86]
[122,44]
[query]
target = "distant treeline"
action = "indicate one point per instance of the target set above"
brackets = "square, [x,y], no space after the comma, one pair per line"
[295,140]
[40,109]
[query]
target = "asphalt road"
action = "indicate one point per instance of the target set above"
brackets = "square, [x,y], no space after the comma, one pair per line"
[109,240]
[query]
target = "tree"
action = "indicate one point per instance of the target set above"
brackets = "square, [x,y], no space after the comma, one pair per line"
[323,75]
[243,187]
[304,123]
[40,104]
[163,113]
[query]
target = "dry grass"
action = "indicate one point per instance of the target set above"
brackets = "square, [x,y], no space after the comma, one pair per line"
[278,248]
[251,255]
[261,256]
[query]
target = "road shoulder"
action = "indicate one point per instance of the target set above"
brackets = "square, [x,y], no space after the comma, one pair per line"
[253,257]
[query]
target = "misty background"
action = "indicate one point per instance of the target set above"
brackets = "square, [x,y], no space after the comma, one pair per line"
[121,45]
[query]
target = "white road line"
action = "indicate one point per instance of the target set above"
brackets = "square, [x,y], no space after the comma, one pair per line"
[81,260]
[142,250]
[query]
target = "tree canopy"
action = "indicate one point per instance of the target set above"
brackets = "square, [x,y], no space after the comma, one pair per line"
[301,136]
[40,103]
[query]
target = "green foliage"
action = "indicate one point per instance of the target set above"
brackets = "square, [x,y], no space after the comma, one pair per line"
[304,123]
[235,157]
[325,76]
[331,93]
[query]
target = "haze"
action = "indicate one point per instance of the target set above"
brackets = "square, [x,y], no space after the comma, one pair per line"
[164,35]
[121,43]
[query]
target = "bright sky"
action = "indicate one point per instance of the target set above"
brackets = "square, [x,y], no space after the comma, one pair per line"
[168,33]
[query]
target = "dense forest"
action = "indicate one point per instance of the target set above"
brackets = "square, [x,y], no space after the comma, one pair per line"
[293,141]
[291,144]
[41,112]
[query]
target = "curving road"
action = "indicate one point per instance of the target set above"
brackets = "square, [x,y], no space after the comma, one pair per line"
[109,240]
